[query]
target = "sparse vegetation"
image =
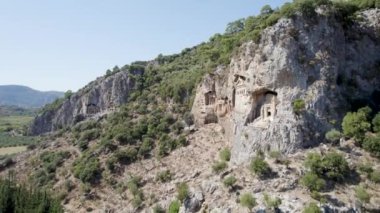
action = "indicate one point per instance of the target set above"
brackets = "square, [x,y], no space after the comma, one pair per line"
[272,203]
[312,208]
[164,176]
[182,191]
[229,181]
[174,206]
[219,166]
[247,200]
[362,194]
[225,154]
[298,106]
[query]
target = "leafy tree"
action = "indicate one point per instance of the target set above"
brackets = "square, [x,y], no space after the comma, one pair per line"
[312,208]
[68,94]
[235,27]
[266,9]
[355,124]
[247,200]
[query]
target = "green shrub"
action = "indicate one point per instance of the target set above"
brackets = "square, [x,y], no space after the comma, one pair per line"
[229,181]
[365,168]
[182,141]
[83,145]
[89,135]
[146,147]
[375,176]
[126,156]
[138,199]
[87,169]
[362,194]
[355,124]
[335,166]
[260,167]
[317,196]
[376,123]
[133,184]
[111,162]
[219,166]
[182,191]
[332,166]
[225,154]
[271,203]
[174,206]
[189,118]
[51,160]
[312,208]
[247,200]
[164,176]
[298,106]
[333,136]
[372,144]
[158,209]
[313,182]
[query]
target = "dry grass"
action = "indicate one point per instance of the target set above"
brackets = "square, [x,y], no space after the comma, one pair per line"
[12,150]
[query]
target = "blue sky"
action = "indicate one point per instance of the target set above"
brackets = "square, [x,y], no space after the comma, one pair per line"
[62,45]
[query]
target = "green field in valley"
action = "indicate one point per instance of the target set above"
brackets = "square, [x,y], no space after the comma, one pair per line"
[14,122]
[12,128]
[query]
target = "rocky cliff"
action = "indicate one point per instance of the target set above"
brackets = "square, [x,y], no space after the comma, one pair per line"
[98,97]
[321,62]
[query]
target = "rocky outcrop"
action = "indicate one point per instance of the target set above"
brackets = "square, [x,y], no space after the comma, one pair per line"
[330,67]
[98,97]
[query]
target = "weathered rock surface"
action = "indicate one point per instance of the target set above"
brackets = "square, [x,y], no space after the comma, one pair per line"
[100,96]
[330,67]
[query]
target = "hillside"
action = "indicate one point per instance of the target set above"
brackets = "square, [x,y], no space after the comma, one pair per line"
[21,96]
[278,114]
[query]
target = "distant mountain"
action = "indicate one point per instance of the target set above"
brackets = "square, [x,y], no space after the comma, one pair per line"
[22,96]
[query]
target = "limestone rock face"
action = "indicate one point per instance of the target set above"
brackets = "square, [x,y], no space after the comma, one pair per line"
[98,97]
[330,67]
